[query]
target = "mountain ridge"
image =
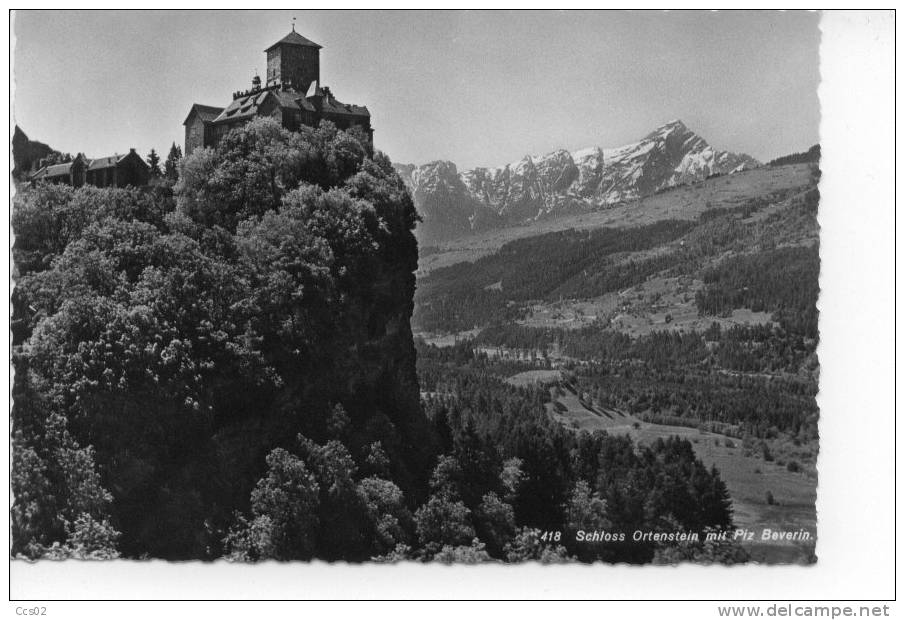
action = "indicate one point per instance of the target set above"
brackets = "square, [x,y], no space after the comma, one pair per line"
[454,202]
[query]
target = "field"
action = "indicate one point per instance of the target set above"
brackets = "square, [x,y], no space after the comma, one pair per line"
[534,376]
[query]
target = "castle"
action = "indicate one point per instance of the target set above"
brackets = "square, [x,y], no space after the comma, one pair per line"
[292,94]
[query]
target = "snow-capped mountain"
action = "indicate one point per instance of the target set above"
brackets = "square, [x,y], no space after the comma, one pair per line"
[453,202]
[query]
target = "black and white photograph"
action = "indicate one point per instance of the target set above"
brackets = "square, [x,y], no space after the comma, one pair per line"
[417,287]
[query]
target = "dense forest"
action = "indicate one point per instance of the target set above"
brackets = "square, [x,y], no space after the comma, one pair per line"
[812,155]
[784,280]
[224,368]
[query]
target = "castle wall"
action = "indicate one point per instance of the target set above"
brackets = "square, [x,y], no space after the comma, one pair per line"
[194,134]
[300,65]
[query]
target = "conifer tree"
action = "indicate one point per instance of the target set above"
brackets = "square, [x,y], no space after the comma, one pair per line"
[171,167]
[154,162]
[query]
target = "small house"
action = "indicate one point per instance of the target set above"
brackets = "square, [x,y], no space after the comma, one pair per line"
[119,171]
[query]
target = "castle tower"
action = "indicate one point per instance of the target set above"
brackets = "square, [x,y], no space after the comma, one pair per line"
[293,59]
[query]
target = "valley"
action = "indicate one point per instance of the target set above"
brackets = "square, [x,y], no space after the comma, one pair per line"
[690,313]
[747,475]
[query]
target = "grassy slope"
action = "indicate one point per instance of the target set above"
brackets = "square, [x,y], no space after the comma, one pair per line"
[681,203]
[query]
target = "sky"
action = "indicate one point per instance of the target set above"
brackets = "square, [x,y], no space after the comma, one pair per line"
[479,88]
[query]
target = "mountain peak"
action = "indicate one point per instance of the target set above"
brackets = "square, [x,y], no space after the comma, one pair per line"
[591,178]
[673,126]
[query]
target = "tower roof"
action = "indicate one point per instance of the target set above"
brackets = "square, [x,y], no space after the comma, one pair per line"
[294,38]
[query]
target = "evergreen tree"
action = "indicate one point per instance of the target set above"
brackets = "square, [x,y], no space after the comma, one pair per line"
[55,158]
[154,162]
[171,167]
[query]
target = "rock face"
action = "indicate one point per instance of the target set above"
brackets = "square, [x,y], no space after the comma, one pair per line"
[453,203]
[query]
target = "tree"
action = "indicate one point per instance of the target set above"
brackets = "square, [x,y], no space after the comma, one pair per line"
[171,166]
[377,463]
[340,515]
[61,508]
[285,506]
[389,522]
[443,520]
[585,510]
[588,512]
[154,162]
[527,545]
[495,523]
[511,478]
[55,157]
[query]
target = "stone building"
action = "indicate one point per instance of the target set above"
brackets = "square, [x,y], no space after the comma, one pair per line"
[72,173]
[119,171]
[292,94]
[112,171]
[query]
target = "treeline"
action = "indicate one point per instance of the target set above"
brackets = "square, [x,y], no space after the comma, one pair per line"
[744,348]
[812,155]
[783,281]
[753,405]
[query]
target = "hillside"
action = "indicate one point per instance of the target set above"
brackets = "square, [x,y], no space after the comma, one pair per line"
[453,203]
[682,203]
